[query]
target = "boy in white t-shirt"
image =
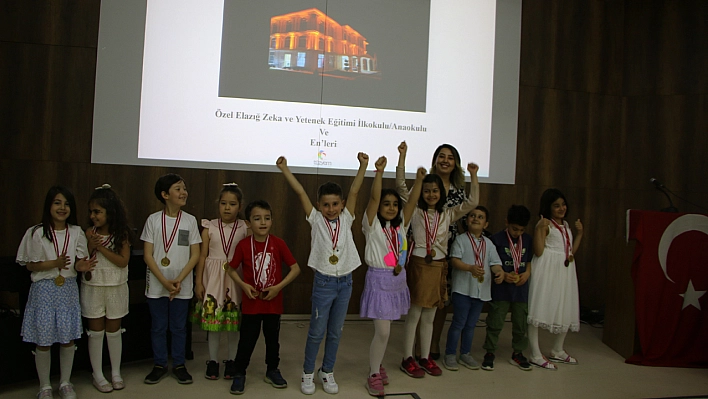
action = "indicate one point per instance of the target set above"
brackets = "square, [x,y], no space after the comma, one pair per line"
[334,257]
[171,250]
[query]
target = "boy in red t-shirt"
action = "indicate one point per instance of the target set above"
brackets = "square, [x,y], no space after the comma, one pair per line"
[261,255]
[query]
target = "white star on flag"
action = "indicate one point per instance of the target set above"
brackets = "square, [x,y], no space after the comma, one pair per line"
[691,296]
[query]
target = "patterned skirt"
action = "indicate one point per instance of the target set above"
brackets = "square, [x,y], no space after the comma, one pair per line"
[53,313]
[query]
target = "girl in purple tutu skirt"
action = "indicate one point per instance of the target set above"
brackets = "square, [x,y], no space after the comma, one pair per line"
[385,295]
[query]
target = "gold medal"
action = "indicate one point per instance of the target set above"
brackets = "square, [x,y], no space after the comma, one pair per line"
[480,279]
[333,259]
[397,270]
[59,280]
[225,266]
[165,262]
[571,259]
[432,253]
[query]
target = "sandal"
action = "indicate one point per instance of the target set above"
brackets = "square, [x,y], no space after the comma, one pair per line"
[563,358]
[546,365]
[104,387]
[118,383]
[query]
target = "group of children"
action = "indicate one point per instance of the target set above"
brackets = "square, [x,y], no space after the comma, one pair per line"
[239,278]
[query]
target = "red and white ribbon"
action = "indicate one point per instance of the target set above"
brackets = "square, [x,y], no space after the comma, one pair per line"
[333,233]
[515,251]
[258,268]
[480,251]
[226,246]
[168,243]
[566,238]
[430,233]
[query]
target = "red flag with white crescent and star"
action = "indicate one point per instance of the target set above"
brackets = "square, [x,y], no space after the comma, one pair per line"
[670,273]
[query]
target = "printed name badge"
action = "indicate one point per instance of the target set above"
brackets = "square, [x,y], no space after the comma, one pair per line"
[183,238]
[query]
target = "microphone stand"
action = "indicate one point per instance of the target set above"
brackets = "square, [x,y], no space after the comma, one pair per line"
[671,208]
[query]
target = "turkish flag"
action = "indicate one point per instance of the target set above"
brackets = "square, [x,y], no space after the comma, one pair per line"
[670,273]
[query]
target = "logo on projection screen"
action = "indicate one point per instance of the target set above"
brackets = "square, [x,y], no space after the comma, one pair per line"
[320,161]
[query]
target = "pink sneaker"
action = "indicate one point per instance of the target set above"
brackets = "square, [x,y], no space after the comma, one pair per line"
[375,385]
[384,376]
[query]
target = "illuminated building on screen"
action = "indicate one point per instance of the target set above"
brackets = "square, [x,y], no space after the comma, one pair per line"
[310,41]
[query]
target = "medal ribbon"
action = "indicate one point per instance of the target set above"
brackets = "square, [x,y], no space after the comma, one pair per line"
[515,251]
[258,268]
[430,234]
[480,251]
[227,248]
[390,233]
[56,246]
[566,238]
[66,242]
[103,243]
[168,244]
[334,234]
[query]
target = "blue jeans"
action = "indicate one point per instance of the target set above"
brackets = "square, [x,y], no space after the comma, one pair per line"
[173,313]
[464,320]
[330,300]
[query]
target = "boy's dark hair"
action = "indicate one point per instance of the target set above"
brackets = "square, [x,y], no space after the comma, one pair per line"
[257,204]
[47,224]
[116,216]
[330,188]
[486,217]
[395,222]
[518,214]
[433,178]
[548,198]
[164,183]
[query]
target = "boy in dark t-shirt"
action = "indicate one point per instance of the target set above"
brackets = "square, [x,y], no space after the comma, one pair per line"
[261,256]
[515,251]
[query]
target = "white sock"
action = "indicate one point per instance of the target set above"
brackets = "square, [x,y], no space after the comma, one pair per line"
[533,343]
[115,351]
[409,330]
[426,331]
[43,361]
[214,338]
[95,348]
[66,363]
[233,343]
[382,330]
[558,343]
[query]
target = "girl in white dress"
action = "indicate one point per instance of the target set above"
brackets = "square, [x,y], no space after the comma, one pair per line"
[553,289]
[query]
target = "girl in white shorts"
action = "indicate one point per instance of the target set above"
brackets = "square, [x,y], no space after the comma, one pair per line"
[104,289]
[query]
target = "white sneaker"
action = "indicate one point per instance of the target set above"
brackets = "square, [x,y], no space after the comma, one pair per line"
[328,382]
[307,386]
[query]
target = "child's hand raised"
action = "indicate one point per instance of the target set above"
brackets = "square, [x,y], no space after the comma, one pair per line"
[281,163]
[421,173]
[579,226]
[380,164]
[363,158]
[403,148]
[473,168]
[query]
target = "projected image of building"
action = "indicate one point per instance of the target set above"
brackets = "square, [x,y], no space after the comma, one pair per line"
[309,41]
